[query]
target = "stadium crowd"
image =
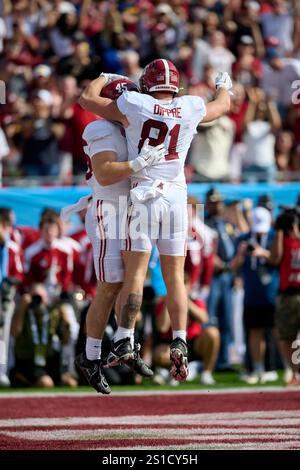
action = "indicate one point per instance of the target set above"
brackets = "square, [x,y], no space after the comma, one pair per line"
[49,50]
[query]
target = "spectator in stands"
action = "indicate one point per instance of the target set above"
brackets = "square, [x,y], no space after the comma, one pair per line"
[247,70]
[261,122]
[238,109]
[295,163]
[246,23]
[209,154]
[203,341]
[220,57]
[260,288]
[39,331]
[4,151]
[283,149]
[130,62]
[204,88]
[279,74]
[40,134]
[279,23]
[81,65]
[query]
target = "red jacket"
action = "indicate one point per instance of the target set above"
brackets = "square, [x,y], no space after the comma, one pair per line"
[15,264]
[52,265]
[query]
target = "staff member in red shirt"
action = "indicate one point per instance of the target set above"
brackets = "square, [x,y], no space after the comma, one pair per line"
[285,252]
[50,260]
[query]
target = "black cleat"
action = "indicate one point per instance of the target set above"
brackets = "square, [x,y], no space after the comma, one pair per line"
[92,371]
[121,352]
[179,359]
[137,363]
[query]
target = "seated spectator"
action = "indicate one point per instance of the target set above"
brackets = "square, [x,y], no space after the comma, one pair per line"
[39,331]
[203,342]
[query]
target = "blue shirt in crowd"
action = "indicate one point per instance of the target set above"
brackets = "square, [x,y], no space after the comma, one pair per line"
[261,280]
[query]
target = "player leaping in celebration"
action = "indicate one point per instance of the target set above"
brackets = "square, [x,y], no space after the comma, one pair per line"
[159,115]
[108,177]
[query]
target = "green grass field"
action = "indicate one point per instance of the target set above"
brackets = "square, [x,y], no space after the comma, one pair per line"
[224,380]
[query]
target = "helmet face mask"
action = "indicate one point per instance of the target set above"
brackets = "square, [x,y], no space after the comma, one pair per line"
[160,75]
[115,88]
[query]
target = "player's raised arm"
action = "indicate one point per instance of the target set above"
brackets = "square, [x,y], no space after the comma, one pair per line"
[91,100]
[221,104]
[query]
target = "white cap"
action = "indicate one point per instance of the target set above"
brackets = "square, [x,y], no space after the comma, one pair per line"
[253,5]
[261,220]
[163,8]
[66,8]
[45,96]
[42,70]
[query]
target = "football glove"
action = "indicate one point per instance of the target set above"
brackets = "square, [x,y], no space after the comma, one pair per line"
[223,80]
[148,156]
[110,77]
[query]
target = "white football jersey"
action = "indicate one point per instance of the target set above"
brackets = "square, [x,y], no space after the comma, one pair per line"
[172,122]
[102,136]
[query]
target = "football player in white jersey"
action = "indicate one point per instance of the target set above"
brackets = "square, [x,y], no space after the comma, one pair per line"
[159,115]
[108,177]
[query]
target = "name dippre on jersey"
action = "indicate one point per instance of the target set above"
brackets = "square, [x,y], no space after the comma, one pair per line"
[161,111]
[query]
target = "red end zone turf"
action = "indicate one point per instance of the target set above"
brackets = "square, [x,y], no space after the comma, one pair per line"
[254,420]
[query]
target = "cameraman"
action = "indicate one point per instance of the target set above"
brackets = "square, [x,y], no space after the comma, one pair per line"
[40,332]
[260,287]
[285,252]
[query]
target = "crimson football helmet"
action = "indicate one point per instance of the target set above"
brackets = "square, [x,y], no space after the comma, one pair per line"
[160,75]
[115,88]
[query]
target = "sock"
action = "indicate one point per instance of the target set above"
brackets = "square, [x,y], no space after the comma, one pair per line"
[179,334]
[258,368]
[93,348]
[123,333]
[132,338]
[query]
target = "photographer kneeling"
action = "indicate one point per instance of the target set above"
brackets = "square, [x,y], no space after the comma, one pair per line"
[40,331]
[285,252]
